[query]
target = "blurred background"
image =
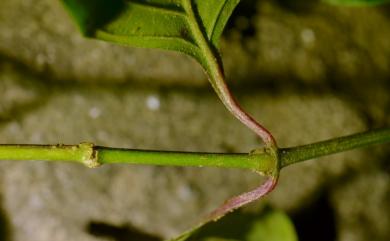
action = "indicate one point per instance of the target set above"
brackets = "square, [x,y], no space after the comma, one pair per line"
[307,70]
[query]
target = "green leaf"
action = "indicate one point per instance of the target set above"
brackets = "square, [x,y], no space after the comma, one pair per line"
[182,25]
[271,225]
[274,226]
[357,2]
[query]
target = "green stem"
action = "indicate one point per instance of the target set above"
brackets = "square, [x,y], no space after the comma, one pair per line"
[82,153]
[262,160]
[293,155]
[258,162]
[93,156]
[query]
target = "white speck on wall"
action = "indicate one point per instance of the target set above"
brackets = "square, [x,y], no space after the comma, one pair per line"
[184,192]
[308,36]
[94,112]
[153,102]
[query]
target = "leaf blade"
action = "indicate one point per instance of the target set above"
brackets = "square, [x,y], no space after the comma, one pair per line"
[152,23]
[160,42]
[90,15]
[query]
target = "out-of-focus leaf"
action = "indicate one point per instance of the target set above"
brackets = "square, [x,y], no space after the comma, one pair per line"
[268,226]
[166,24]
[274,226]
[357,2]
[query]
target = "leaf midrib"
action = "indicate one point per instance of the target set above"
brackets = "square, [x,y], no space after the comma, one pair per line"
[214,24]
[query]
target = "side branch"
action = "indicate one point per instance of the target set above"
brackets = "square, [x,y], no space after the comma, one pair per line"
[293,155]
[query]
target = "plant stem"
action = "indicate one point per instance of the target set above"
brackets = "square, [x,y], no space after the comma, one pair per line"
[93,156]
[217,79]
[82,153]
[262,160]
[258,162]
[293,155]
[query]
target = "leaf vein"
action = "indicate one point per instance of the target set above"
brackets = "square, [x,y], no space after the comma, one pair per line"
[122,38]
[213,27]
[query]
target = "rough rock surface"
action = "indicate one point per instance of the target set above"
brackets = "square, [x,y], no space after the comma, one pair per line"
[309,73]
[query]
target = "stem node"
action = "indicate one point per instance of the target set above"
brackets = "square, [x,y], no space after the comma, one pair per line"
[90,156]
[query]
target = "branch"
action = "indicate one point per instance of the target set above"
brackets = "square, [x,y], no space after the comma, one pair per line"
[293,155]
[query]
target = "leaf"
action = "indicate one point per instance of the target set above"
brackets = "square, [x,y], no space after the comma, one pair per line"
[183,25]
[357,2]
[275,226]
[272,225]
